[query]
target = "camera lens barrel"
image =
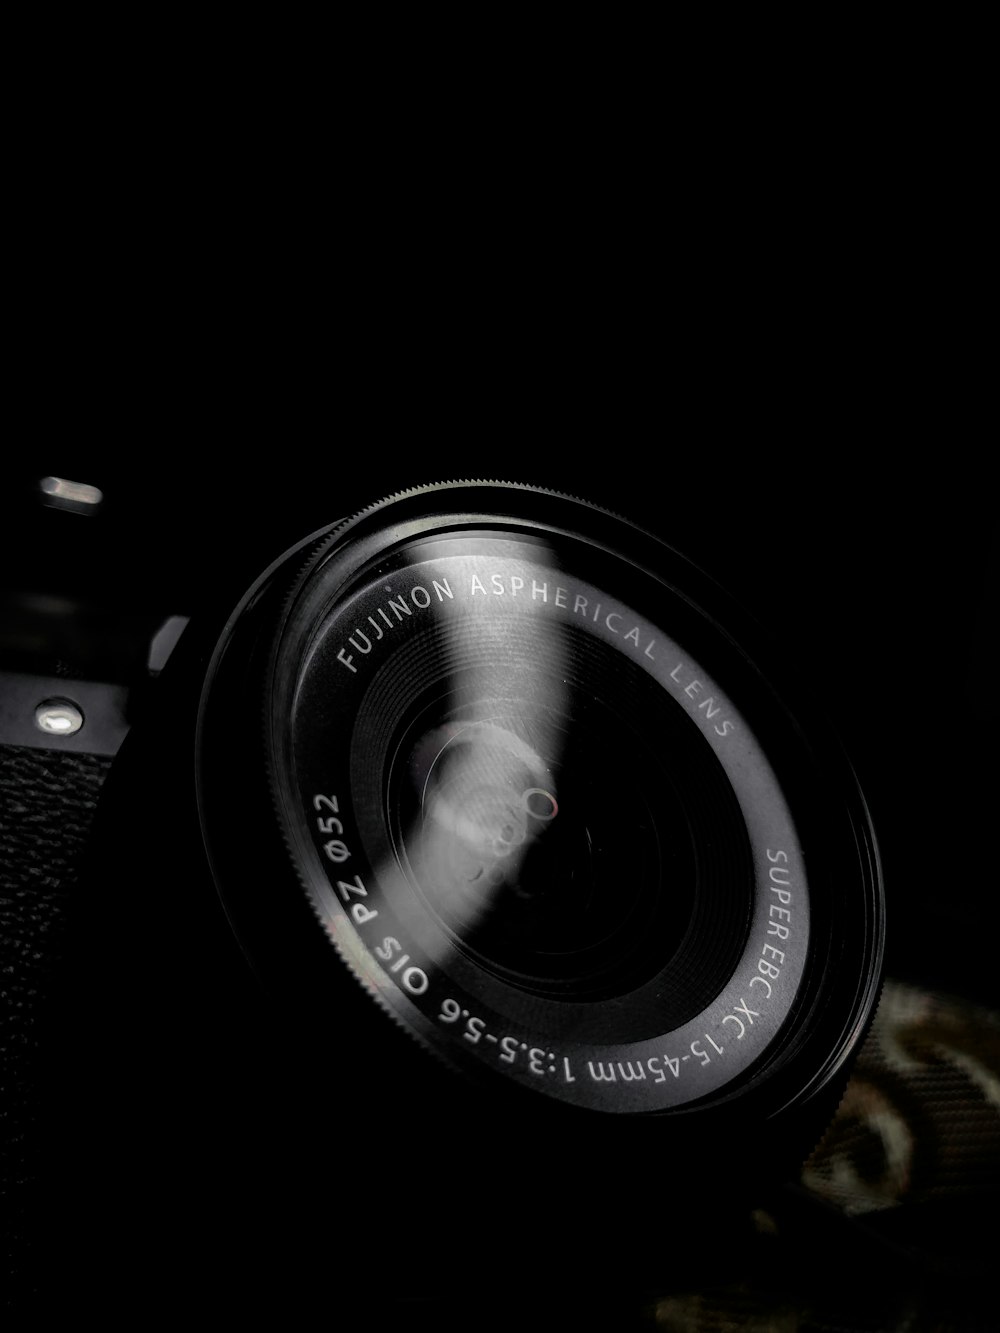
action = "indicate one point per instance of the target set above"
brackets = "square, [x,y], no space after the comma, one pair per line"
[557,807]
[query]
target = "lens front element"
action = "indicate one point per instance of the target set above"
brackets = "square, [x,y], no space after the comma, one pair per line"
[531,811]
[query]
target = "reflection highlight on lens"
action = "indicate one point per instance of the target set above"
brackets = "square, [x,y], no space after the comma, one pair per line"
[484,783]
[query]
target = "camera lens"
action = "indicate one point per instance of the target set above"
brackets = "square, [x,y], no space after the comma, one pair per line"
[549,795]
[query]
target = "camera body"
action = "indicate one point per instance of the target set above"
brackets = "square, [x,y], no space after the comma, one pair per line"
[195,1094]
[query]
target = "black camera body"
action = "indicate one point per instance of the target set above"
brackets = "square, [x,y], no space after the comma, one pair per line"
[257,1093]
